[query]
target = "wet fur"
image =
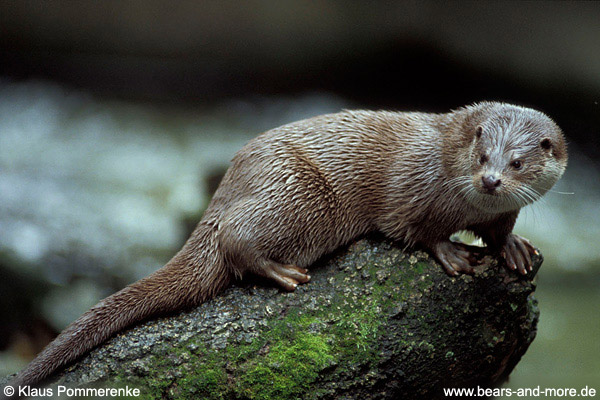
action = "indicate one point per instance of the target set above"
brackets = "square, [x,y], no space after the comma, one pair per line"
[299,191]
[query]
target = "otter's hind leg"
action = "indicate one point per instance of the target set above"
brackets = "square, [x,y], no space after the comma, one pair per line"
[245,240]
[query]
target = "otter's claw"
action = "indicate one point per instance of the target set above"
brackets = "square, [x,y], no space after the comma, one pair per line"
[517,252]
[287,276]
[454,258]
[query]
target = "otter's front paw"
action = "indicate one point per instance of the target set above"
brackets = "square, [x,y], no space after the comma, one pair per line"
[517,252]
[454,258]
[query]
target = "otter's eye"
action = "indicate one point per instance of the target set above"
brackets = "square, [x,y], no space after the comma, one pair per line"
[516,164]
[546,144]
[483,159]
[478,132]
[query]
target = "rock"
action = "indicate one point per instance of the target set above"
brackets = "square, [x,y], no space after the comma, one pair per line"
[374,323]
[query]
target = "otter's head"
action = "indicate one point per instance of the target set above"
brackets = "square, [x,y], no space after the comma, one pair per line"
[516,155]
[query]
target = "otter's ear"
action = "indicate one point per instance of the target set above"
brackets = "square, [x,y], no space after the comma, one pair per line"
[478,131]
[546,144]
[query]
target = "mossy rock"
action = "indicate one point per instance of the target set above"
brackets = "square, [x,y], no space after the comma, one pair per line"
[374,323]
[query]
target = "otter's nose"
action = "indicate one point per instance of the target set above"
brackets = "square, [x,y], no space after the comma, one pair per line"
[490,182]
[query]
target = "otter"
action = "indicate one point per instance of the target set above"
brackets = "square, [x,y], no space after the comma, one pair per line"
[298,192]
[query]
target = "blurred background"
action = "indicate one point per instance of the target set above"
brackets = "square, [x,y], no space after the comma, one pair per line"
[117,119]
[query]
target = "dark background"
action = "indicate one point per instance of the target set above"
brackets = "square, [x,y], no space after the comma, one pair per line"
[430,55]
[201,57]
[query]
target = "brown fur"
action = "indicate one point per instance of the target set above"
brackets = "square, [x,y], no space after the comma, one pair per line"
[300,191]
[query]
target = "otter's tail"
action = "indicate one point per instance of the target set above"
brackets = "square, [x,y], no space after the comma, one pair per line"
[194,275]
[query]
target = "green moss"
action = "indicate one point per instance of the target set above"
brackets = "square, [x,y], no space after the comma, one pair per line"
[294,354]
[290,352]
[291,359]
[420,267]
[356,333]
[202,375]
[205,380]
[287,370]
